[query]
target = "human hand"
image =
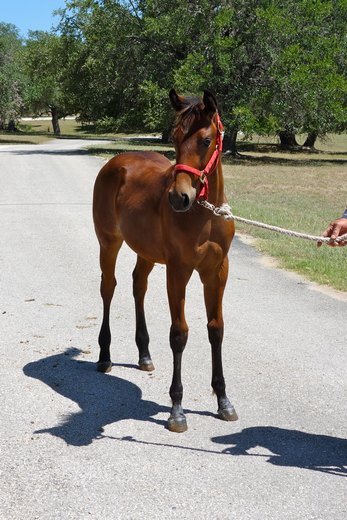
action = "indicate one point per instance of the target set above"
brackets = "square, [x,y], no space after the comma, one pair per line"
[335,229]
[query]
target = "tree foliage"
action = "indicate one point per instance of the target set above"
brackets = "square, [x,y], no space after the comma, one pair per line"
[275,66]
[308,88]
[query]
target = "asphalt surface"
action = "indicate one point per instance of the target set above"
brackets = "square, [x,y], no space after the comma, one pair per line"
[77,444]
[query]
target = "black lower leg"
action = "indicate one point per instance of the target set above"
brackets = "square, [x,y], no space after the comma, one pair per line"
[140,277]
[104,363]
[107,290]
[177,421]
[142,342]
[226,410]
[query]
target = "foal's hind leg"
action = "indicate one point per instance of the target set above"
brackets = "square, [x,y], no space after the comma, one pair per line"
[108,255]
[214,285]
[140,277]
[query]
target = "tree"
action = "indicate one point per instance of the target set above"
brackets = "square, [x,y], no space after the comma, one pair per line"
[235,63]
[43,63]
[307,88]
[127,51]
[11,78]
[276,67]
[172,32]
[103,66]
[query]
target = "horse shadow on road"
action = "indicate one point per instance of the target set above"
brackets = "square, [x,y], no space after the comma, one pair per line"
[106,399]
[289,448]
[103,399]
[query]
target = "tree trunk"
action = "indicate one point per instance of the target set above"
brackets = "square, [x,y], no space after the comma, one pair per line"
[165,136]
[310,140]
[229,143]
[11,127]
[55,121]
[288,139]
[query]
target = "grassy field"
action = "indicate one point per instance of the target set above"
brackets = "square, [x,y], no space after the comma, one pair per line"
[39,131]
[22,138]
[297,190]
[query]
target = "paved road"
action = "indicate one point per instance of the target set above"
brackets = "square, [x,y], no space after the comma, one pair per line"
[76,444]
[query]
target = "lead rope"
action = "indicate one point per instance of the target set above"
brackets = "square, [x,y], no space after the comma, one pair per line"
[225,211]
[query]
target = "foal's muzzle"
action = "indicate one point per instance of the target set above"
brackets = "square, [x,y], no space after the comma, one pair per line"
[181,201]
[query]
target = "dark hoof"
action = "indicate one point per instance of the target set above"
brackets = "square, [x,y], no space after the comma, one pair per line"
[227,414]
[146,365]
[177,424]
[104,366]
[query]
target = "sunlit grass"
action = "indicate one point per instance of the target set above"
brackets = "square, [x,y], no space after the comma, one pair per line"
[303,195]
[19,138]
[68,127]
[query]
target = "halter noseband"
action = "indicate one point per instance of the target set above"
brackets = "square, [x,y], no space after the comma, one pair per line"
[211,165]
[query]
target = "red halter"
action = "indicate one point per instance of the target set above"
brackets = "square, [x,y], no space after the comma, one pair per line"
[211,165]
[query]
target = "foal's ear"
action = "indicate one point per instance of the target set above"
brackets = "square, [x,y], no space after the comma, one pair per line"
[176,101]
[210,103]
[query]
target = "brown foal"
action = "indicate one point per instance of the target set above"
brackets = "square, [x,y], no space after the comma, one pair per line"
[140,197]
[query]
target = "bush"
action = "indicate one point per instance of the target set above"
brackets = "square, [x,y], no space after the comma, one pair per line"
[107,125]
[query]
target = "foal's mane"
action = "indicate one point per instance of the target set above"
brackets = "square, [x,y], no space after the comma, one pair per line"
[192,111]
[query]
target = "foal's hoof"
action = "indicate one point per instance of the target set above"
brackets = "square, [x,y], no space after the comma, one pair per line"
[177,424]
[104,366]
[146,364]
[228,414]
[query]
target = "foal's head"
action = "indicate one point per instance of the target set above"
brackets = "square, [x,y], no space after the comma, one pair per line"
[194,135]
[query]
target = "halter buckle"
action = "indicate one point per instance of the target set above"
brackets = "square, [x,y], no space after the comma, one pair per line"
[203,178]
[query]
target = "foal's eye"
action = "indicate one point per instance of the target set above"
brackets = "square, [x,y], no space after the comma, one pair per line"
[206,142]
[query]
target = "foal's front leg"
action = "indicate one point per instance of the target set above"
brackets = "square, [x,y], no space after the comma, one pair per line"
[214,285]
[177,279]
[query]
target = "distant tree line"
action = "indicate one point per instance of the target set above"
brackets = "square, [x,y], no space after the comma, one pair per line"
[278,67]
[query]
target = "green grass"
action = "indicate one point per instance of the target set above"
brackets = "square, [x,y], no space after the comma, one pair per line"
[39,131]
[301,191]
[22,138]
[297,191]
[68,127]
[138,145]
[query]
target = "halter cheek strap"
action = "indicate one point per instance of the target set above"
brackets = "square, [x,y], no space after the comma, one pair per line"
[211,165]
